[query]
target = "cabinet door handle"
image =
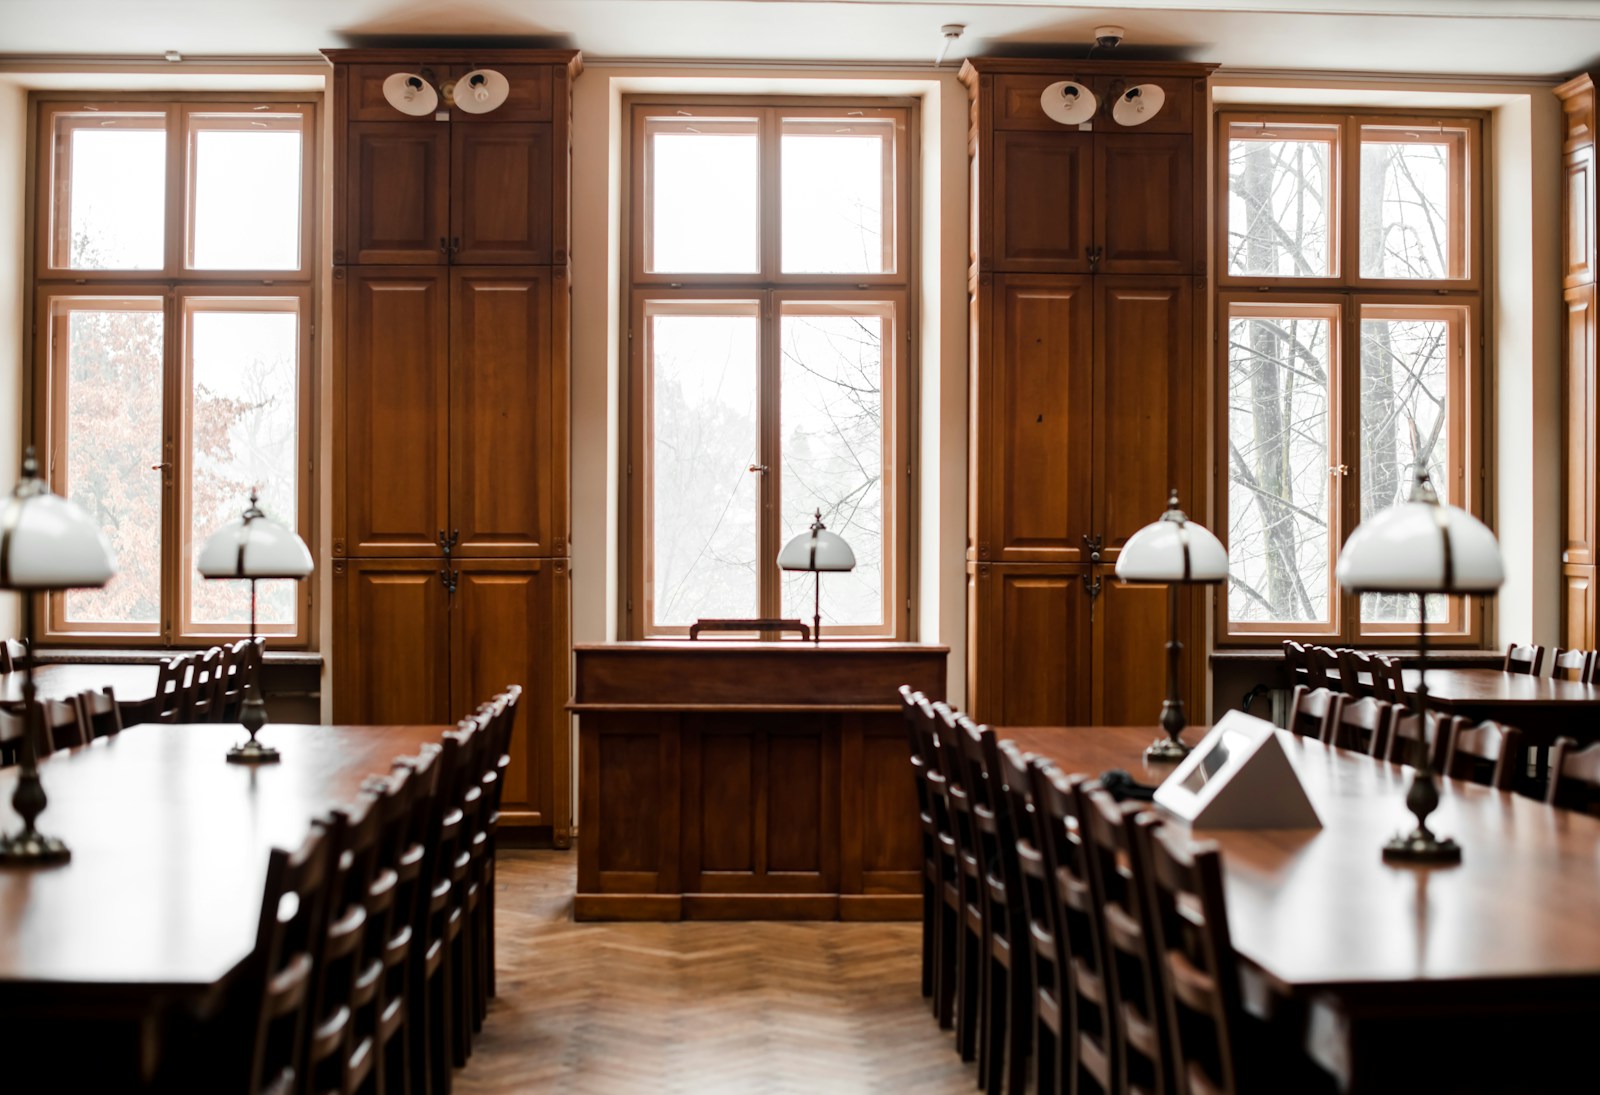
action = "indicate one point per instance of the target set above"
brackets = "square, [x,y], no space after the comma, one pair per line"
[444,246]
[455,245]
[449,577]
[448,543]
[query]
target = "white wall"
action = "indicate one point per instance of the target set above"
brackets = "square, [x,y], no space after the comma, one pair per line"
[13,279]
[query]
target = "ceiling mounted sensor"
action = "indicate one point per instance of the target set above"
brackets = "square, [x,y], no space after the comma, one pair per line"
[1068,102]
[481,90]
[1138,104]
[410,94]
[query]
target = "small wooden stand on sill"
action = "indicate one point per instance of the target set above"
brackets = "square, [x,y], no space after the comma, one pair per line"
[749,625]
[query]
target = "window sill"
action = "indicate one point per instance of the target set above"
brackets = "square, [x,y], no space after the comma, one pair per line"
[1439,658]
[155,655]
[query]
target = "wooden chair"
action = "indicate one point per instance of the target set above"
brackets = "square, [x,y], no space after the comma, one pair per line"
[1053,1033]
[403,802]
[500,750]
[1388,679]
[202,700]
[911,710]
[1487,753]
[1004,1046]
[1524,659]
[1088,1050]
[437,770]
[1320,660]
[1574,776]
[238,659]
[11,730]
[287,938]
[326,1059]
[1116,871]
[13,655]
[1358,672]
[99,713]
[1362,726]
[1297,661]
[467,794]
[1021,892]
[971,930]
[1571,665]
[1313,710]
[1410,741]
[64,727]
[172,690]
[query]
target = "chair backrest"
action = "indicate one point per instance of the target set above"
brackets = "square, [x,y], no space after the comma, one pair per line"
[63,725]
[202,695]
[1411,741]
[1525,658]
[287,939]
[1487,753]
[172,688]
[1063,835]
[1571,665]
[99,712]
[1388,679]
[1313,710]
[1357,672]
[1189,925]
[14,653]
[1117,873]
[1041,915]
[1296,660]
[1574,776]
[1319,660]
[958,795]
[505,726]
[1362,726]
[12,728]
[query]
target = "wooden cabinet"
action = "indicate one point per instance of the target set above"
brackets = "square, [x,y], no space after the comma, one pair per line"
[1089,402]
[420,642]
[451,413]
[1580,449]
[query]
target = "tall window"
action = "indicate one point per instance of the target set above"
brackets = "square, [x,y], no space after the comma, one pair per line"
[768,330]
[1350,322]
[172,289]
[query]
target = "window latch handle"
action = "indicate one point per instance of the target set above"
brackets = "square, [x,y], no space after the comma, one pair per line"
[762,468]
[1338,469]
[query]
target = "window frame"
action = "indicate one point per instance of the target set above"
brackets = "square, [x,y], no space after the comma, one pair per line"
[770,289]
[173,284]
[1350,295]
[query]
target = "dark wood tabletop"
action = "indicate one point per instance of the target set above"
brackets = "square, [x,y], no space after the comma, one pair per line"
[133,684]
[1319,911]
[169,854]
[1541,707]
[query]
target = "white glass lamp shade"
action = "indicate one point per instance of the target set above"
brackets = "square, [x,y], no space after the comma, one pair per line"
[254,546]
[1138,104]
[481,90]
[50,543]
[817,549]
[1068,102]
[410,94]
[1421,546]
[1173,549]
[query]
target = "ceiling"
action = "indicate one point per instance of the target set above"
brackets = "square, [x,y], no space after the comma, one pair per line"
[1485,37]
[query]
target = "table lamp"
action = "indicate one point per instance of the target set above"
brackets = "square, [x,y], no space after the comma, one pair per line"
[253,546]
[1172,551]
[46,543]
[1421,546]
[816,551]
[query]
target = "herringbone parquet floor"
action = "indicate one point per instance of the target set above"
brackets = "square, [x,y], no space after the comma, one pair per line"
[744,1007]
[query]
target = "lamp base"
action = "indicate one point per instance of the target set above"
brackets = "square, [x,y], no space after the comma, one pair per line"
[31,847]
[1166,749]
[253,752]
[1421,846]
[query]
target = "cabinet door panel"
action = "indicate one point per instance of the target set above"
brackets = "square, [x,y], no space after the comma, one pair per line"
[509,625]
[1029,661]
[398,192]
[1143,403]
[396,431]
[501,408]
[1130,630]
[500,193]
[1578,602]
[1578,249]
[391,654]
[1579,448]
[1042,193]
[1144,201]
[1036,436]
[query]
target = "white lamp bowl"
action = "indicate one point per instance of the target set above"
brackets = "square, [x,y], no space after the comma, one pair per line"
[53,544]
[1156,554]
[1402,550]
[258,547]
[1068,102]
[818,550]
[481,90]
[403,93]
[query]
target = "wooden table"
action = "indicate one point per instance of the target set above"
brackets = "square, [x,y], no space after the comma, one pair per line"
[748,780]
[1507,936]
[1542,708]
[158,906]
[133,684]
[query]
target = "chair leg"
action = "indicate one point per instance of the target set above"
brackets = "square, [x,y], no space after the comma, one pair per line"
[488,926]
[929,932]
[1046,1067]
[1019,1024]
[969,978]
[460,1002]
[992,1066]
[945,975]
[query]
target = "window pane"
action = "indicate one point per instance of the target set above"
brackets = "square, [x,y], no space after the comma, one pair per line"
[112,406]
[246,208]
[837,196]
[244,365]
[833,445]
[1279,447]
[703,441]
[1405,422]
[1280,184]
[110,191]
[704,190]
[1412,203]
